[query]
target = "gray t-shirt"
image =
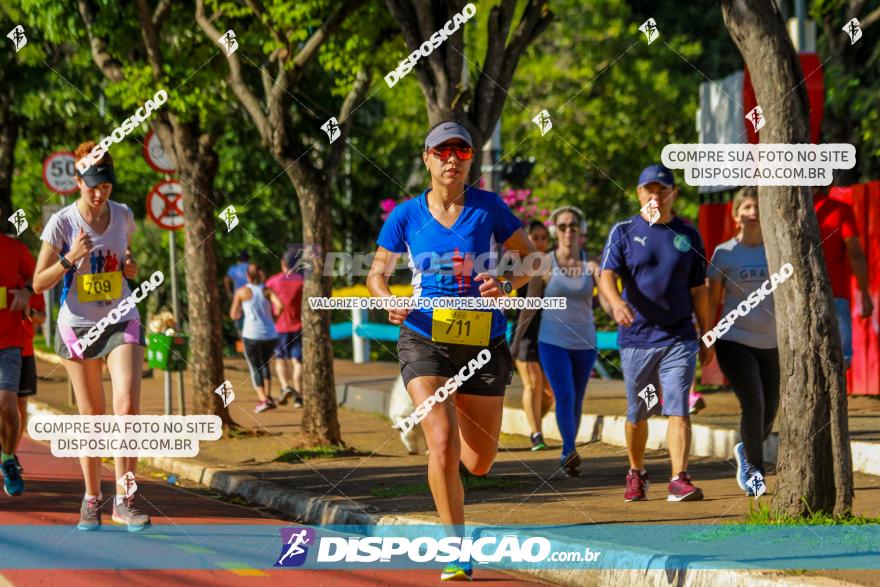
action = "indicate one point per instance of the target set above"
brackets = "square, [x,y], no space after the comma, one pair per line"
[741,270]
[106,258]
[572,328]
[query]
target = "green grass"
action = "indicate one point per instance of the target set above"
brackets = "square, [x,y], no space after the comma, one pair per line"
[470,484]
[763,515]
[315,452]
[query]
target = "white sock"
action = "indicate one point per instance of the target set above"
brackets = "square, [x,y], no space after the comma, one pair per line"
[98,497]
[119,499]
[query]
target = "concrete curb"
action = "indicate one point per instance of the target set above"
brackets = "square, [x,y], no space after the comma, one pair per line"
[707,441]
[310,509]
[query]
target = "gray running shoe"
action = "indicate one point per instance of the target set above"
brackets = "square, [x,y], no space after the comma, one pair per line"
[126,513]
[90,514]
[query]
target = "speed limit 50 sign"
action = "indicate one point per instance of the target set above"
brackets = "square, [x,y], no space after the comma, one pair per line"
[58,172]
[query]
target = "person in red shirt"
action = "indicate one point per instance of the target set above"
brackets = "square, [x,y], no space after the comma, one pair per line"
[16,275]
[27,385]
[843,258]
[288,285]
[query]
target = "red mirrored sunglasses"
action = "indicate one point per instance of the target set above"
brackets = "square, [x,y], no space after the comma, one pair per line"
[462,152]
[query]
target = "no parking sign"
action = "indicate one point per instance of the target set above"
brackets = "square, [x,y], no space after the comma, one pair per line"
[165,205]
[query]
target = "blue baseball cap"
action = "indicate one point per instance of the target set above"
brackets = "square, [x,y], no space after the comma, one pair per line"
[446,131]
[659,173]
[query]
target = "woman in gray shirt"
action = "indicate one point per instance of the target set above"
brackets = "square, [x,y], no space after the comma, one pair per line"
[747,352]
[566,338]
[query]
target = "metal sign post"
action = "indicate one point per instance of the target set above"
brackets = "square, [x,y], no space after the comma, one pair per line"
[175,303]
[164,208]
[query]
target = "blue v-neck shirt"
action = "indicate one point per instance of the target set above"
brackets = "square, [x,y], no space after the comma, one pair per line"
[658,266]
[442,259]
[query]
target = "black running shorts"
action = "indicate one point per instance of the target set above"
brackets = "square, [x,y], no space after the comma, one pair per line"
[420,356]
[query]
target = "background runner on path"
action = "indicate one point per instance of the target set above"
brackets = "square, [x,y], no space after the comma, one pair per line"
[747,353]
[16,274]
[661,261]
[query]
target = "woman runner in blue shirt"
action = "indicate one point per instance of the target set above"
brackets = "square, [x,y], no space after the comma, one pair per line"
[449,232]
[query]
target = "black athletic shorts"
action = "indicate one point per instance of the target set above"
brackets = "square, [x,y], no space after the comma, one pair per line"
[27,383]
[420,356]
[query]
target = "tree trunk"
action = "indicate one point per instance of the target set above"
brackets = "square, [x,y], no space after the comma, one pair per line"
[197,164]
[320,422]
[814,465]
[477,105]
[8,138]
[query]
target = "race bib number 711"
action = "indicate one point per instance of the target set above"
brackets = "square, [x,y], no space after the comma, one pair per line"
[461,326]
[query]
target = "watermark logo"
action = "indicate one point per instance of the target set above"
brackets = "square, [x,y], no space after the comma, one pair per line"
[446,302]
[128,484]
[652,211]
[128,125]
[757,485]
[451,386]
[118,313]
[228,42]
[756,117]
[426,48]
[649,395]
[331,127]
[19,221]
[295,546]
[748,304]
[226,393]
[785,164]
[19,39]
[542,119]
[124,436]
[229,217]
[854,29]
[649,27]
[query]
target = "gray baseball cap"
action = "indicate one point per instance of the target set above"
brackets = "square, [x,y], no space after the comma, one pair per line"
[446,131]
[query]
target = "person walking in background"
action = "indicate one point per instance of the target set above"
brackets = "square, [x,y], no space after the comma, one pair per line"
[537,395]
[288,286]
[236,278]
[16,274]
[661,261]
[253,304]
[27,386]
[567,338]
[843,257]
[747,354]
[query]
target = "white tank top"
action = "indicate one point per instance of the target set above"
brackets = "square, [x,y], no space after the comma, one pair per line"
[258,321]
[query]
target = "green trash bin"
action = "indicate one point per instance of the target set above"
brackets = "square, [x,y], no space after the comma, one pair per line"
[167,352]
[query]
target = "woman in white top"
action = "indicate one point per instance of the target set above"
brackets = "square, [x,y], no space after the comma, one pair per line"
[86,244]
[254,302]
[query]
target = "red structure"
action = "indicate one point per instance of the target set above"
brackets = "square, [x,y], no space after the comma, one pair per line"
[716,226]
[814,80]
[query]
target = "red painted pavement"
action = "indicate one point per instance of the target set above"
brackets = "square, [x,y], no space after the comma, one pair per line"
[54,489]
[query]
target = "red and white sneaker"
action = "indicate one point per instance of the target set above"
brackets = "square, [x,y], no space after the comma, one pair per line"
[696,403]
[636,486]
[681,489]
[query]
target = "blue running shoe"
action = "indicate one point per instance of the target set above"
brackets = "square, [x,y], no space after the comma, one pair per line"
[742,466]
[13,484]
[458,572]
